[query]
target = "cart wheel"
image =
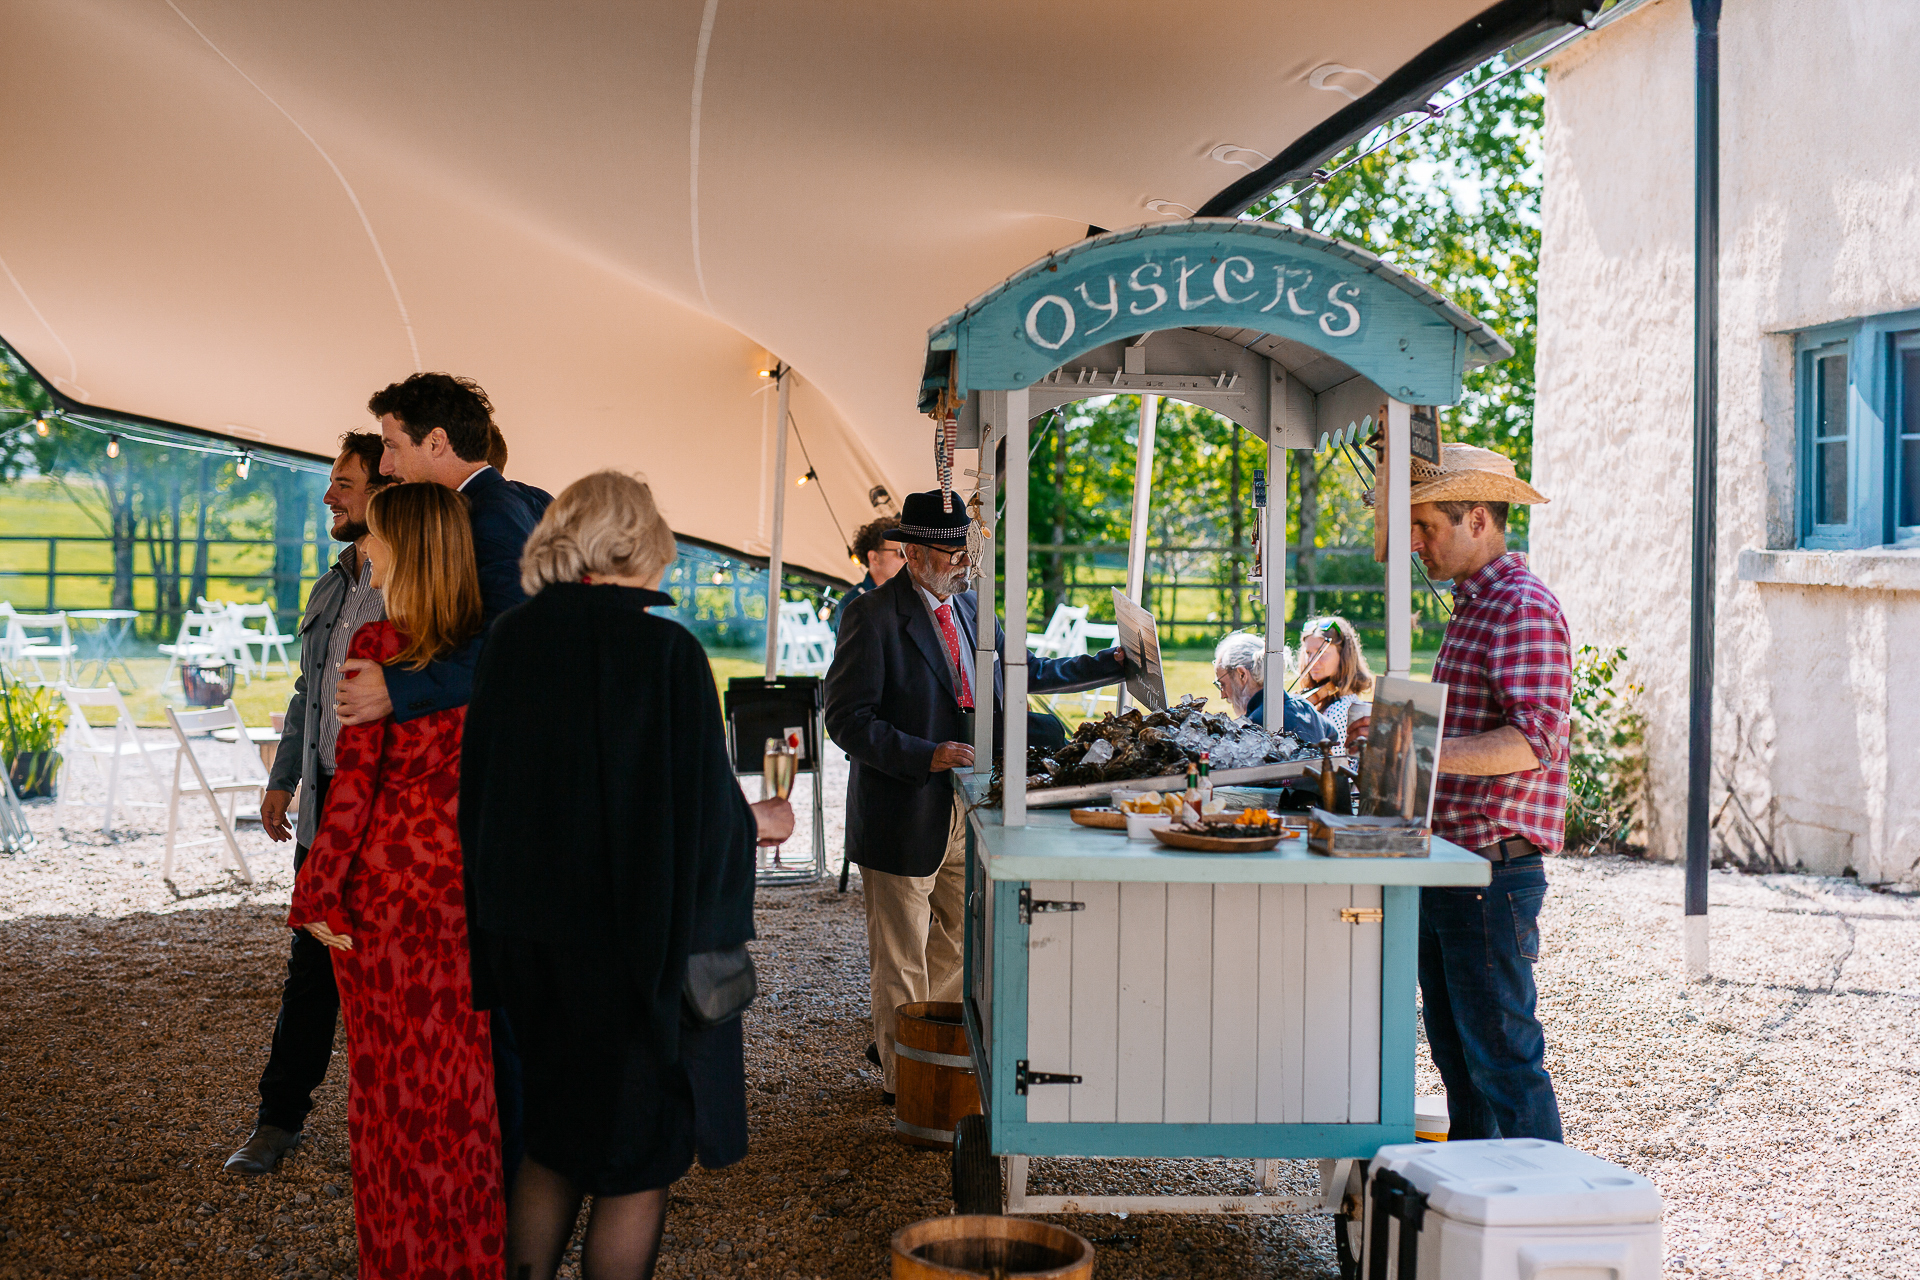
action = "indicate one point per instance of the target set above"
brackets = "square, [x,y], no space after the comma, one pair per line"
[976,1173]
[1348,1224]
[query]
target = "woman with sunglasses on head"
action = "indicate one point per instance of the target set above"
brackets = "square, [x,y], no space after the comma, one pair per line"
[1335,677]
[382,887]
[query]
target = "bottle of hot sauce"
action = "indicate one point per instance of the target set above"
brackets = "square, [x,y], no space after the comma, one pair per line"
[1206,779]
[1190,806]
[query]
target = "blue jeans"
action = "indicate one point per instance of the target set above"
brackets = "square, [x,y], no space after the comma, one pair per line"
[1477,948]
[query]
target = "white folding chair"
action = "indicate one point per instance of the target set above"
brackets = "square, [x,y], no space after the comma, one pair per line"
[54,644]
[92,741]
[198,631]
[228,769]
[268,636]
[1062,628]
[806,643]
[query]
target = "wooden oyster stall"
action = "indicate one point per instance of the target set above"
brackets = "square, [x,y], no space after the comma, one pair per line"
[1123,999]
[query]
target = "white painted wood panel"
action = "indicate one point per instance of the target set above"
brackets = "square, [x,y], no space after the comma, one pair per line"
[1096,1001]
[1141,1064]
[1283,977]
[1189,1082]
[1363,1073]
[1049,1000]
[1328,1004]
[1236,1003]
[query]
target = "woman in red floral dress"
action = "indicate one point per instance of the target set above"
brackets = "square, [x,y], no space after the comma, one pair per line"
[383,888]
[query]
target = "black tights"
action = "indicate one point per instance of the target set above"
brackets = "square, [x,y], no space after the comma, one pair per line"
[623,1232]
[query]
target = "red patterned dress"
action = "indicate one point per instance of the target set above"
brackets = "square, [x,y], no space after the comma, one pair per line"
[385,870]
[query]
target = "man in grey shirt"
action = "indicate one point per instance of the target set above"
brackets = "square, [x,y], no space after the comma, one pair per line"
[341,602]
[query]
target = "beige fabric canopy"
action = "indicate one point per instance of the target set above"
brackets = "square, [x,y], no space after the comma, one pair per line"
[246,216]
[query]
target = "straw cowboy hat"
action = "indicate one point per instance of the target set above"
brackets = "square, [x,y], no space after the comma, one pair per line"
[1468,473]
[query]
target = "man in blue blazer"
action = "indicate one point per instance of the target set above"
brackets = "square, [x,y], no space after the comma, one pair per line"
[899,699]
[439,429]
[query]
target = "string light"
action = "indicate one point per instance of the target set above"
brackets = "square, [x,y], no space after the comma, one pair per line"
[40,427]
[244,465]
[802,481]
[113,446]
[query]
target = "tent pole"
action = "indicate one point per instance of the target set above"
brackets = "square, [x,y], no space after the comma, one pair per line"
[776,564]
[1399,540]
[993,417]
[1706,362]
[1014,814]
[1142,506]
[1273,703]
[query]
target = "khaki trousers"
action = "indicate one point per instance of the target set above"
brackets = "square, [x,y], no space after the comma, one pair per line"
[914,936]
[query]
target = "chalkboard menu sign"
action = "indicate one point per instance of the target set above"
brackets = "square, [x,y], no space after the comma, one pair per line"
[1425,434]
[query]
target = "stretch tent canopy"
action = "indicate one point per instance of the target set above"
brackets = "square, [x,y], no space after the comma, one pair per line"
[245,217]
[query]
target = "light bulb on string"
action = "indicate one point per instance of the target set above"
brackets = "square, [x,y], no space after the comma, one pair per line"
[40,427]
[243,466]
[802,481]
[113,446]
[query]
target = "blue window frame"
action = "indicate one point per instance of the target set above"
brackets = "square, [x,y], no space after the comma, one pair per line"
[1904,501]
[1857,393]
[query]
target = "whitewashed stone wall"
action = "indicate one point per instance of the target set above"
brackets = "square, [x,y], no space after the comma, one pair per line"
[1817,725]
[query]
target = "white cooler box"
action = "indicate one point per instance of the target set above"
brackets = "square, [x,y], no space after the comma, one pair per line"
[1507,1209]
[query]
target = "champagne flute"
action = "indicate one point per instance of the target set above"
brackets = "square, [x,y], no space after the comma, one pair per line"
[778,766]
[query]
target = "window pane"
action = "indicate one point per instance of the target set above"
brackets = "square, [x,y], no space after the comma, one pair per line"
[1909,483]
[1910,393]
[1830,464]
[1833,397]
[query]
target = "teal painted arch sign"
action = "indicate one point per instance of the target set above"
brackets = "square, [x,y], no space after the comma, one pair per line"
[1220,273]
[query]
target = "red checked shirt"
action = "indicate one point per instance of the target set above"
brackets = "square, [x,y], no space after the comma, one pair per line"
[1506,660]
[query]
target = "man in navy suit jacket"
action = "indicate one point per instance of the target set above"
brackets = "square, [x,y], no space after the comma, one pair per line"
[898,697]
[439,429]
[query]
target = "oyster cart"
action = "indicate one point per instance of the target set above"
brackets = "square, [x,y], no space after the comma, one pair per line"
[1125,1000]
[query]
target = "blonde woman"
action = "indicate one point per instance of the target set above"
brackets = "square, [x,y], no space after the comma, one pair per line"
[1336,679]
[606,840]
[382,888]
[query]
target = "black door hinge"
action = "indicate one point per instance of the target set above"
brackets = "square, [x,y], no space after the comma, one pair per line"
[1023,1077]
[1029,907]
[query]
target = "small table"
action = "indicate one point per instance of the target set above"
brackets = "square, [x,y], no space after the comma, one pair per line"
[102,645]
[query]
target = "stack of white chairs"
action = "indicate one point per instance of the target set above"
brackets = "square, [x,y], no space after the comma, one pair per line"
[30,640]
[806,643]
[230,769]
[268,636]
[105,750]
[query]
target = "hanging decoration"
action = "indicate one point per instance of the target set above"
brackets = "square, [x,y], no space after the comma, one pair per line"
[979,533]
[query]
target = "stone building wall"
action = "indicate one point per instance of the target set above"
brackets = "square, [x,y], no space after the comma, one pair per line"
[1816,732]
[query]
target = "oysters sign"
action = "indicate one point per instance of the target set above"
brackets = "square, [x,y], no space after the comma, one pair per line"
[1216,273]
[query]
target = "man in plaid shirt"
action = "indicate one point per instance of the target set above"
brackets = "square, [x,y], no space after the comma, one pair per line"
[1501,791]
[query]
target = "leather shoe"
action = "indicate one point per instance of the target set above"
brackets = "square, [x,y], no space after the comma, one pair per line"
[263,1150]
[873,1053]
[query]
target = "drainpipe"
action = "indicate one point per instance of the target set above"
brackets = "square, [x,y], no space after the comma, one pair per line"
[1706,368]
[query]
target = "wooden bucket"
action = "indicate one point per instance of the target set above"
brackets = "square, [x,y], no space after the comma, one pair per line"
[945,1248]
[933,1074]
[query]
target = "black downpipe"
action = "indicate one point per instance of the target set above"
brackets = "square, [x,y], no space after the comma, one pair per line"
[1706,368]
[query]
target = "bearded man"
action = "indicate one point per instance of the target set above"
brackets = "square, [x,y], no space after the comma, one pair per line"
[900,698]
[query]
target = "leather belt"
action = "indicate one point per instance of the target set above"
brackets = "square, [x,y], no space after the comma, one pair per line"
[1511,849]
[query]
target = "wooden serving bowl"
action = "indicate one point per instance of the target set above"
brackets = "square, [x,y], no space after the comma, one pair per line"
[1106,817]
[1197,842]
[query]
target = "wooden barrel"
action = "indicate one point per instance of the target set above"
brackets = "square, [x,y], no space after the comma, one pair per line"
[933,1074]
[945,1248]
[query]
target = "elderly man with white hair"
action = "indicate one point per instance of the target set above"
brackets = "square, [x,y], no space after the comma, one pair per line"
[1239,672]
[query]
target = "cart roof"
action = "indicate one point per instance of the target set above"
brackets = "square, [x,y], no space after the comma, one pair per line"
[1321,309]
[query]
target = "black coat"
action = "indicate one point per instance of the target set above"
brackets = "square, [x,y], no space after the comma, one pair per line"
[503,513]
[598,806]
[891,701]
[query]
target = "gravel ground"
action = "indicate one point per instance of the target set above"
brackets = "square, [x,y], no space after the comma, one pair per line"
[1775,1106]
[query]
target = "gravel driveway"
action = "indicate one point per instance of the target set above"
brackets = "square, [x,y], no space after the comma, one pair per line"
[1777,1106]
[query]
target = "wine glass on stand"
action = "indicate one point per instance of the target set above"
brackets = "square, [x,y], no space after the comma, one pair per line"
[781,762]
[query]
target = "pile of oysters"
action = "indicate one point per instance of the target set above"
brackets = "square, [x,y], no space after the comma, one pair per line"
[1117,748]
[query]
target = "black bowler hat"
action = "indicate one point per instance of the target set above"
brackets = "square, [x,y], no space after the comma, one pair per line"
[924,519]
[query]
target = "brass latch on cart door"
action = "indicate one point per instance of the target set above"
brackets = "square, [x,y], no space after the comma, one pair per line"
[1361,915]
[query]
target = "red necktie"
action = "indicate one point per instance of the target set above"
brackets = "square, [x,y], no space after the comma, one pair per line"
[945,614]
